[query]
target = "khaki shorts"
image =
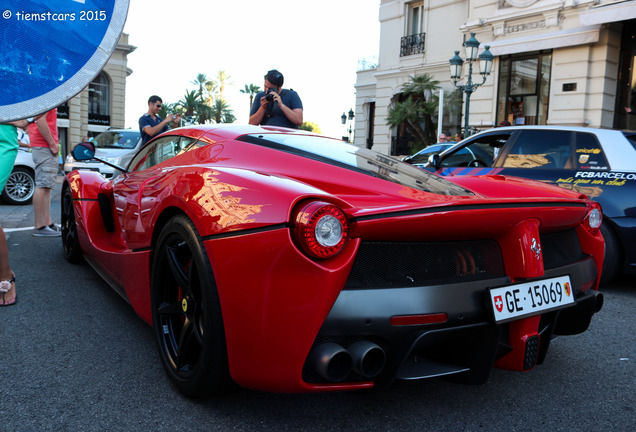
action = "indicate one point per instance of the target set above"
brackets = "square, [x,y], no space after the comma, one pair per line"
[46,166]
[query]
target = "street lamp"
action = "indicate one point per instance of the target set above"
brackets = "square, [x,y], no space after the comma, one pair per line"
[343,118]
[485,66]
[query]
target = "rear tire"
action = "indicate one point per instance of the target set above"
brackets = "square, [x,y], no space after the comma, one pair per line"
[70,241]
[186,312]
[613,262]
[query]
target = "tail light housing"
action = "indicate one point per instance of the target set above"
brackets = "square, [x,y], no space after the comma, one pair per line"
[319,229]
[594,218]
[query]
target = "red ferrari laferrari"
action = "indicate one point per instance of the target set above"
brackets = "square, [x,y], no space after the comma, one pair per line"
[290,262]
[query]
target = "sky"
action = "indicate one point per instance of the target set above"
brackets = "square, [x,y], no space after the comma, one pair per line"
[316,45]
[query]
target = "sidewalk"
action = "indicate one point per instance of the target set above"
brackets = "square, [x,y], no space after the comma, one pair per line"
[14,217]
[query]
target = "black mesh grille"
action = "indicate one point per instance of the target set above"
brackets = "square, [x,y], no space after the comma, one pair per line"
[560,249]
[406,264]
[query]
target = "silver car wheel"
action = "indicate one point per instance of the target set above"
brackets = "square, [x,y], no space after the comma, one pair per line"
[19,187]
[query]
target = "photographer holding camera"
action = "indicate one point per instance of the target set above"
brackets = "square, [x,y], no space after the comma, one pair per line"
[277,106]
[150,124]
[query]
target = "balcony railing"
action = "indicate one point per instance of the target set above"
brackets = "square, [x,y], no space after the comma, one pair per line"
[413,44]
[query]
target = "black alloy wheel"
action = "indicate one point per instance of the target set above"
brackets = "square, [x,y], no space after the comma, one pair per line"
[186,312]
[70,240]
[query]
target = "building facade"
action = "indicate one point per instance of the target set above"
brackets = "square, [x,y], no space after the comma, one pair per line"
[556,62]
[101,105]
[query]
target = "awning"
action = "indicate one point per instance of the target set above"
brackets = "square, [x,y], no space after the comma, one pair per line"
[572,37]
[609,13]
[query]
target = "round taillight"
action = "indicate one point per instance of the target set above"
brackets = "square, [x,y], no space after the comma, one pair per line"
[320,229]
[594,218]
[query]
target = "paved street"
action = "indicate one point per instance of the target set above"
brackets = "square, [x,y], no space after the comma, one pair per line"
[74,357]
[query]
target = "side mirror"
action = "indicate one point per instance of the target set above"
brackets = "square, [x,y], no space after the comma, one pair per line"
[434,161]
[84,151]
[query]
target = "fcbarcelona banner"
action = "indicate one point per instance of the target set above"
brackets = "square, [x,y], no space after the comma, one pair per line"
[51,49]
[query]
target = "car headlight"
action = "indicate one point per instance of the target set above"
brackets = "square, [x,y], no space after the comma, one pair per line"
[112,160]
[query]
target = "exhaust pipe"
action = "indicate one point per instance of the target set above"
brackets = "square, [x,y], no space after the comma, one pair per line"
[598,301]
[331,361]
[368,358]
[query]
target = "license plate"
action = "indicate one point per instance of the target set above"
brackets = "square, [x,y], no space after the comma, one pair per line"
[530,298]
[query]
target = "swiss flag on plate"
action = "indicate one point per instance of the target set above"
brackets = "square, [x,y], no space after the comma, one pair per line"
[499,303]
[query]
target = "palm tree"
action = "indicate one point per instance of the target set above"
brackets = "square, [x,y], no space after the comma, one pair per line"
[417,107]
[221,112]
[190,102]
[166,108]
[193,107]
[210,91]
[222,80]
[251,90]
[204,113]
[421,88]
[228,117]
[201,81]
[407,113]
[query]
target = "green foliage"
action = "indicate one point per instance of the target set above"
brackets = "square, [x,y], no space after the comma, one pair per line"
[221,112]
[204,104]
[167,108]
[310,127]
[251,90]
[416,109]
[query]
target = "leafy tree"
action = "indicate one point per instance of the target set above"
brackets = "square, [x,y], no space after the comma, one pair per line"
[251,90]
[310,127]
[221,112]
[193,107]
[201,81]
[416,109]
[167,108]
[210,92]
[207,102]
[207,87]
[222,80]
[409,114]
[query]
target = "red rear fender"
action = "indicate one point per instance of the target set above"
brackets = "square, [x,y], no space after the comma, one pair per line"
[87,184]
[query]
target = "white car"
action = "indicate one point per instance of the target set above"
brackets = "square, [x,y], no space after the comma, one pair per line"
[21,182]
[116,146]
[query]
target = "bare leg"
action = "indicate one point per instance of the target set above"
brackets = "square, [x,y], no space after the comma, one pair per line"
[42,207]
[5,270]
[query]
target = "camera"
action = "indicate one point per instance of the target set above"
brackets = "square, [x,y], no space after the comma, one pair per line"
[269,97]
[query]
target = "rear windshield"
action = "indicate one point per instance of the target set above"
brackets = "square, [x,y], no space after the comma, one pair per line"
[117,139]
[631,137]
[357,159]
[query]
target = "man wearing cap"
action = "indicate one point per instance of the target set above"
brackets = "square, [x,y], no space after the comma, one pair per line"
[277,106]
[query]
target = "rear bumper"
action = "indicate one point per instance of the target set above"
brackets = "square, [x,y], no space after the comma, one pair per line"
[468,342]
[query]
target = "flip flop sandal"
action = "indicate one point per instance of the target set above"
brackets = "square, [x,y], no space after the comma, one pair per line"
[5,287]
